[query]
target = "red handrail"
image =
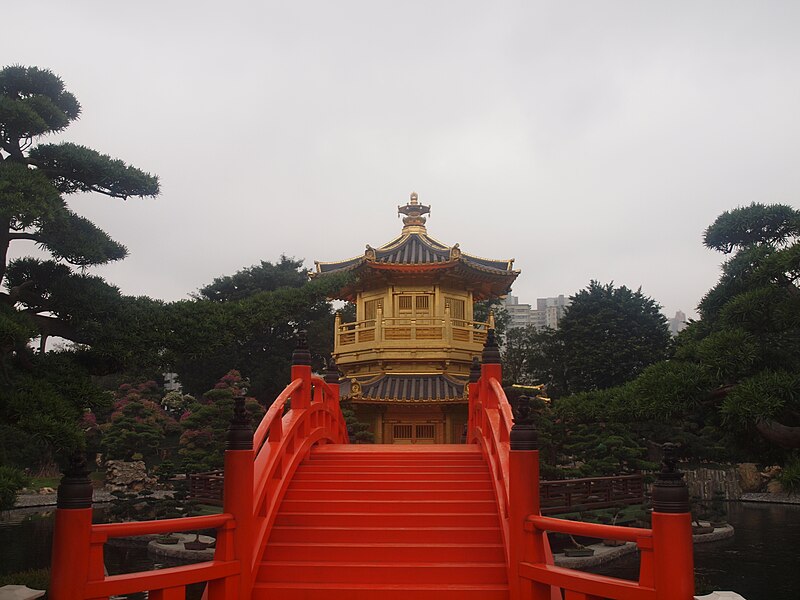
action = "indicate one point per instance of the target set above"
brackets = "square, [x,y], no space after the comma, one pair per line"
[116,530]
[314,418]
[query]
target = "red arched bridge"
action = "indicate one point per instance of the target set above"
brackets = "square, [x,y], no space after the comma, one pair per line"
[306,515]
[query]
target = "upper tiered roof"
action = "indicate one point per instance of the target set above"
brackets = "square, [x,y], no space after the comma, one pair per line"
[415,252]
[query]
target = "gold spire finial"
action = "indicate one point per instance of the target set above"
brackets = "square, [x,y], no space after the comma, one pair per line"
[413,212]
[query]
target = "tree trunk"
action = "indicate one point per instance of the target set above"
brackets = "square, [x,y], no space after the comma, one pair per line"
[777,433]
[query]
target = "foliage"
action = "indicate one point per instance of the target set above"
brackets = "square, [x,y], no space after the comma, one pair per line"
[176,403]
[610,335]
[357,431]
[205,424]
[732,389]
[33,182]
[255,334]
[144,506]
[11,481]
[42,410]
[600,449]
[43,398]
[481,311]
[789,477]
[138,425]
[264,277]
[607,336]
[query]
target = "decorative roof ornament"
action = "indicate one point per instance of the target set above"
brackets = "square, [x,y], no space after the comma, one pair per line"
[413,212]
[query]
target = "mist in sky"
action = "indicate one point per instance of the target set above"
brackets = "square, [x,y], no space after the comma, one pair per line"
[587,140]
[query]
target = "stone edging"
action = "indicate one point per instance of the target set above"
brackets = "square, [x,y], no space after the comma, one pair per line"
[100,496]
[604,554]
[179,551]
[782,498]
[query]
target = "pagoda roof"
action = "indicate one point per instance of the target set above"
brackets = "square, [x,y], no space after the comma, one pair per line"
[410,388]
[415,249]
[415,252]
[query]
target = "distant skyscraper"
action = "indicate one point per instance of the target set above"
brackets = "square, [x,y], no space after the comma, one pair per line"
[677,324]
[548,312]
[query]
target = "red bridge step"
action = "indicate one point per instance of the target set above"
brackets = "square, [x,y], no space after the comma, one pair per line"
[387,522]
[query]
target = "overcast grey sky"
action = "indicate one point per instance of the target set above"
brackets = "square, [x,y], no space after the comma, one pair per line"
[587,140]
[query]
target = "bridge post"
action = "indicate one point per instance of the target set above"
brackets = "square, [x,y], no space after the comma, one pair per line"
[673,556]
[490,368]
[523,500]
[301,369]
[72,533]
[472,396]
[238,500]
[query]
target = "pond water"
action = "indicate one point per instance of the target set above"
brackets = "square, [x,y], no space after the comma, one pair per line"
[760,562]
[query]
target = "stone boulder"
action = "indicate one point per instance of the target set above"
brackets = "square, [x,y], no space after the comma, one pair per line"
[124,476]
[749,478]
[774,487]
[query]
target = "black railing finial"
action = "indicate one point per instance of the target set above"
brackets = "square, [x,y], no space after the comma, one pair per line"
[523,433]
[332,372]
[240,433]
[670,493]
[491,351]
[475,370]
[301,354]
[75,489]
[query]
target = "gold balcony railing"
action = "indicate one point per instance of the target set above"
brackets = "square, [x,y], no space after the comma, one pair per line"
[387,330]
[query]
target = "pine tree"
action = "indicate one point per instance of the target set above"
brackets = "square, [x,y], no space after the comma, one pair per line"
[49,297]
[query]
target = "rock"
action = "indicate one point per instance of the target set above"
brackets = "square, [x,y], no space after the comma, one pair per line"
[123,476]
[46,490]
[20,592]
[771,472]
[721,596]
[749,477]
[774,487]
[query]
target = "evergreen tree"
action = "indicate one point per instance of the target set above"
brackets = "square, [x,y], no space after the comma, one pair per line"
[50,296]
[732,389]
[43,397]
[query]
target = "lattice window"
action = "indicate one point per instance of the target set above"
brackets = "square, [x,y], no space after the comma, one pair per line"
[423,303]
[426,432]
[457,308]
[371,308]
[403,432]
[405,302]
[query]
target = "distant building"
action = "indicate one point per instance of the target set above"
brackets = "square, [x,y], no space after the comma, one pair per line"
[677,324]
[551,311]
[547,314]
[520,315]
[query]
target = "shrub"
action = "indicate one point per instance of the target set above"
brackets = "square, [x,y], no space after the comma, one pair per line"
[11,481]
[789,476]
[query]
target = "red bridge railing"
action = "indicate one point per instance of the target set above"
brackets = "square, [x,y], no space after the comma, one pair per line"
[507,439]
[258,469]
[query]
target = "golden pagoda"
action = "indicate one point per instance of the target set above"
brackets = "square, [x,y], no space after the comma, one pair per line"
[406,359]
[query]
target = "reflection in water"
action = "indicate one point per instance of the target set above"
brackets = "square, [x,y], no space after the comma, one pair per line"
[759,562]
